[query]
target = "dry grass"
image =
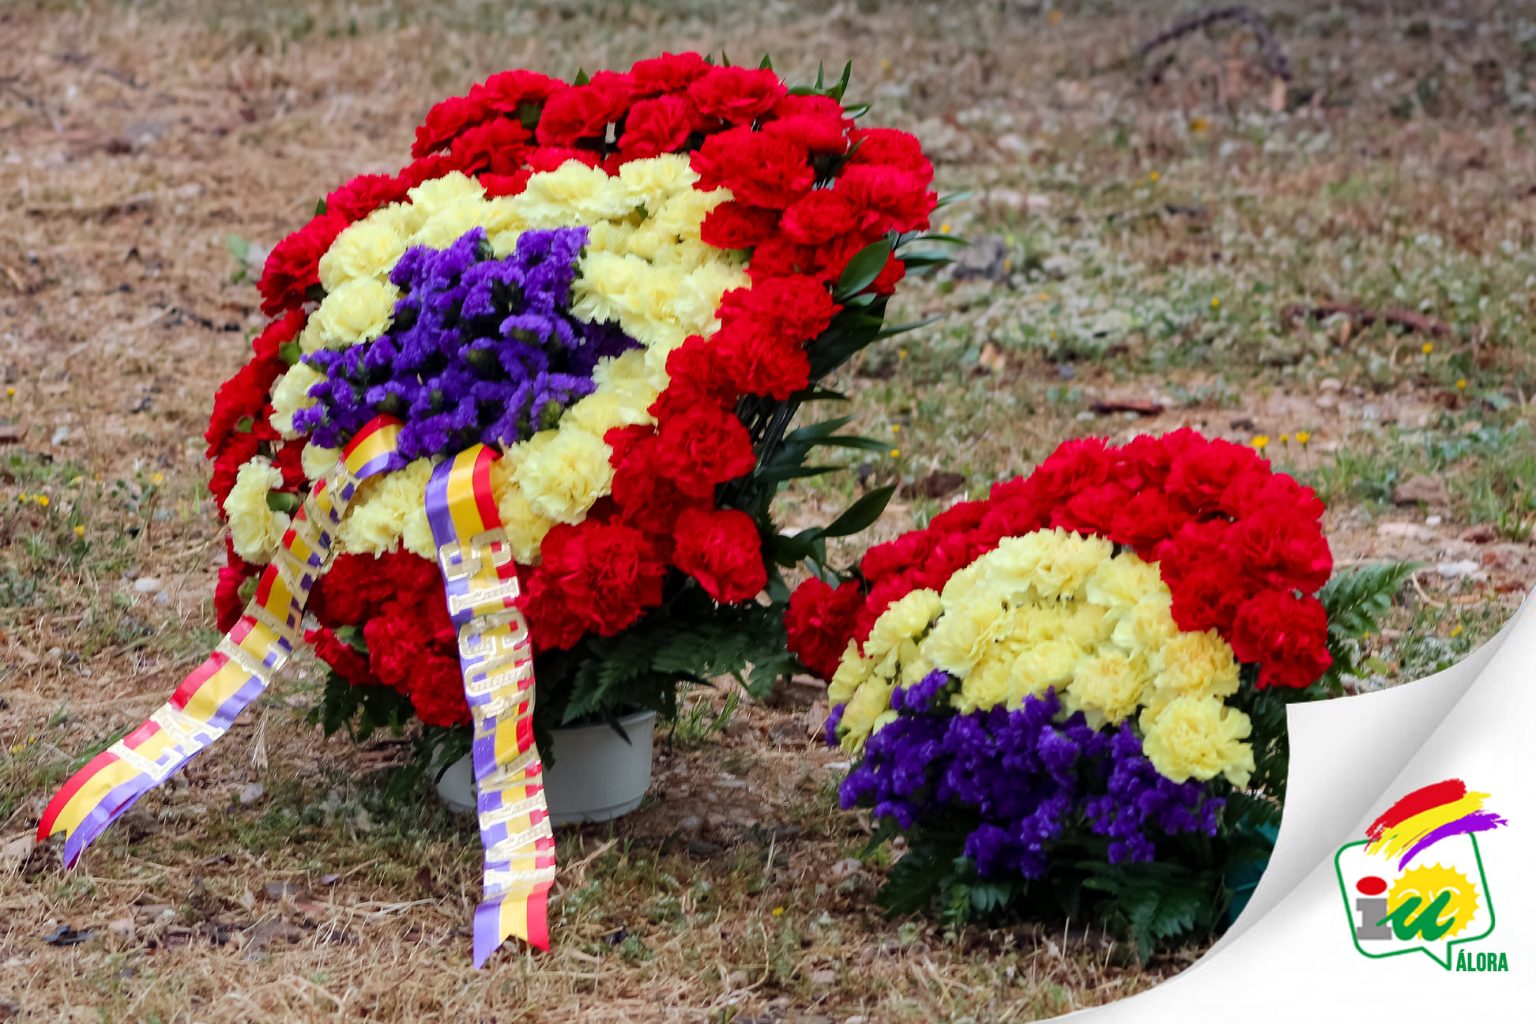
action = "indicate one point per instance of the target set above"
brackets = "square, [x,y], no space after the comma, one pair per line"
[1138,238]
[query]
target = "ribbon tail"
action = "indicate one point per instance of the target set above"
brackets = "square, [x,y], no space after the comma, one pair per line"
[496,656]
[208,701]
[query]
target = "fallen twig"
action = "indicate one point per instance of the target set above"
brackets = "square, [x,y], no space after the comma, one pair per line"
[1405,318]
[1270,54]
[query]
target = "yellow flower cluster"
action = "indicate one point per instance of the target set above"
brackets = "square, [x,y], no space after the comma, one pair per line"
[644,268]
[255,529]
[1057,610]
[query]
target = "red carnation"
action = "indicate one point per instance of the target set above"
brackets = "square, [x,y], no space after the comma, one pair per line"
[358,586]
[668,73]
[895,148]
[498,146]
[396,645]
[655,126]
[242,397]
[736,95]
[436,690]
[898,199]
[1207,596]
[760,170]
[1092,509]
[506,91]
[779,257]
[505,184]
[427,168]
[897,556]
[293,265]
[584,111]
[794,306]
[697,378]
[1279,490]
[820,216]
[608,574]
[1201,474]
[278,333]
[347,662]
[760,362]
[722,550]
[552,158]
[735,225]
[1144,521]
[1278,548]
[228,605]
[702,448]
[817,121]
[1287,636]
[889,277]
[819,622]
[364,194]
[446,120]
[238,449]
[623,441]
[647,499]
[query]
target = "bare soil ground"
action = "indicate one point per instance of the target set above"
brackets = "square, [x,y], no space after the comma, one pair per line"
[1156,243]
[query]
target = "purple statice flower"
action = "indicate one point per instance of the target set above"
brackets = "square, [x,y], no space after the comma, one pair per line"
[479,349]
[1020,781]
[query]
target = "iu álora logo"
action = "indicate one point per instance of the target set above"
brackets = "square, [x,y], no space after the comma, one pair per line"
[1416,881]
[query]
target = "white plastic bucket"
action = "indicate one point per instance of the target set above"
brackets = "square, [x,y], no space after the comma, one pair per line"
[597,776]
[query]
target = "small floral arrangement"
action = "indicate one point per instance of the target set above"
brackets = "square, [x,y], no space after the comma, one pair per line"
[1070,697]
[627,286]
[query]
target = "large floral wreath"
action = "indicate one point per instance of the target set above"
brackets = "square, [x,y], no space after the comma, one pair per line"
[620,283]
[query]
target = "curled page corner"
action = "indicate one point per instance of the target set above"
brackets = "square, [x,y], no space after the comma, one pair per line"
[1291,955]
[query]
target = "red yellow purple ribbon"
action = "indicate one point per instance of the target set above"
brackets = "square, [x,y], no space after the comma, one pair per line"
[494,650]
[497,660]
[208,701]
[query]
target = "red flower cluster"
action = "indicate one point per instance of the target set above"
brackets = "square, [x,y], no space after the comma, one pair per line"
[810,190]
[396,605]
[1239,545]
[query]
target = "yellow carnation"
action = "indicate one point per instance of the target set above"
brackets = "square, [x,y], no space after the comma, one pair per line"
[652,181]
[564,472]
[358,311]
[902,620]
[601,411]
[439,193]
[698,295]
[290,394]
[1198,737]
[573,194]
[318,461]
[965,633]
[852,670]
[385,508]
[1147,626]
[450,223]
[988,684]
[369,248]
[1119,583]
[1196,665]
[871,701]
[1106,687]
[1043,666]
[628,379]
[254,529]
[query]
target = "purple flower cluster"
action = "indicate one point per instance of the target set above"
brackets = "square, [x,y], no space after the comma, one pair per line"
[1022,781]
[479,349]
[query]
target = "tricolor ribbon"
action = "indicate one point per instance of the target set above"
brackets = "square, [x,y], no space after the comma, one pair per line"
[497,660]
[481,581]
